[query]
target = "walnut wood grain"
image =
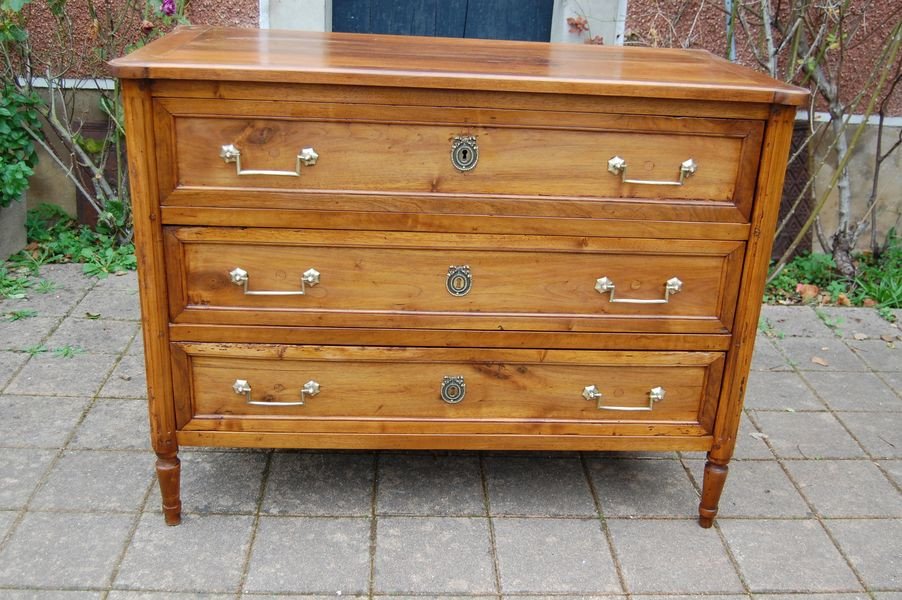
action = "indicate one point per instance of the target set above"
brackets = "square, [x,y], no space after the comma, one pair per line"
[382,279]
[383,214]
[310,57]
[407,150]
[375,384]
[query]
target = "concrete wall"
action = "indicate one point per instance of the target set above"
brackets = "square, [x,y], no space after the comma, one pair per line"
[861,170]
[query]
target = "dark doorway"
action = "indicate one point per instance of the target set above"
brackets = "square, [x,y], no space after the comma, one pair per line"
[528,20]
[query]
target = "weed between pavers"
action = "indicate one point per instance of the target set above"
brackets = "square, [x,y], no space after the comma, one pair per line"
[813,279]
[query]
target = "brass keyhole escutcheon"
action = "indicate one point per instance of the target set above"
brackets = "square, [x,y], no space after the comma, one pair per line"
[459,280]
[464,152]
[454,388]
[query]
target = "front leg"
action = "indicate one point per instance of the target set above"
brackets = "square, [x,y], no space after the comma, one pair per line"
[712,486]
[168,473]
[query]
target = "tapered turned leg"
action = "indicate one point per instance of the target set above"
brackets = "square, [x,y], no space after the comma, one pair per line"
[168,471]
[712,486]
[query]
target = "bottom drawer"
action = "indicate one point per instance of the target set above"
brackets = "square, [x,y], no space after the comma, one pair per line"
[236,387]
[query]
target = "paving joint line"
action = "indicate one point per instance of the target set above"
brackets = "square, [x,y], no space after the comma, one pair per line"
[45,338]
[114,573]
[487,506]
[371,579]
[819,518]
[731,556]
[605,530]
[261,494]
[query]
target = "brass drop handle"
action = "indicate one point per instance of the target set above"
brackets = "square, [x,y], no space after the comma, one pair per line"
[593,394]
[240,277]
[231,154]
[604,285]
[308,390]
[617,166]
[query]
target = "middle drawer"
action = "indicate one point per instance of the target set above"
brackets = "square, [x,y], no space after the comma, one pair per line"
[487,282]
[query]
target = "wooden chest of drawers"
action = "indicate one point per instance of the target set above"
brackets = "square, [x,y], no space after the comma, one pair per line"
[378,242]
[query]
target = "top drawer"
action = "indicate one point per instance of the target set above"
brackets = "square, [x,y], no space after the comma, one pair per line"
[304,153]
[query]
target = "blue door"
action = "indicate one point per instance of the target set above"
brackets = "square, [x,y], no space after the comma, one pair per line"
[528,20]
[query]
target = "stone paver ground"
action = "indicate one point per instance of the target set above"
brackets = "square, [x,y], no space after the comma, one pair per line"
[812,507]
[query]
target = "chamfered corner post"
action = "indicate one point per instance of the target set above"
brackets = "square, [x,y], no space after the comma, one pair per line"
[142,163]
[768,193]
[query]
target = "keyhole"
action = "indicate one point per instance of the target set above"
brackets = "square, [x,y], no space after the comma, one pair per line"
[465,155]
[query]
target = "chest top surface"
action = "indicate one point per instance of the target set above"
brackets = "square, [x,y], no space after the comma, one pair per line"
[208,53]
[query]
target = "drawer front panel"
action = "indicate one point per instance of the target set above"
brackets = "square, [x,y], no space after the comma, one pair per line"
[406,151]
[305,277]
[303,383]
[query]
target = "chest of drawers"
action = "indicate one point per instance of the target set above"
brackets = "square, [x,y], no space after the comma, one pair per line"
[377,242]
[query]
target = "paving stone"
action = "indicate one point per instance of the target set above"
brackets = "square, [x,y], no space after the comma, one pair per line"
[537,486]
[672,557]
[562,597]
[38,421]
[205,552]
[878,354]
[221,481]
[95,480]
[55,303]
[128,379]
[93,335]
[858,596]
[808,435]
[756,489]
[846,488]
[888,595]
[838,356]
[623,487]
[69,550]
[787,556]
[694,597]
[10,362]
[20,471]
[6,521]
[893,379]
[894,469]
[136,348]
[863,391]
[127,595]
[864,321]
[47,374]
[123,280]
[874,548]
[50,595]
[110,303]
[297,554]
[554,555]
[433,554]
[253,596]
[780,391]
[795,321]
[114,425]
[766,356]
[313,483]
[417,484]
[69,276]
[749,443]
[24,333]
[879,433]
